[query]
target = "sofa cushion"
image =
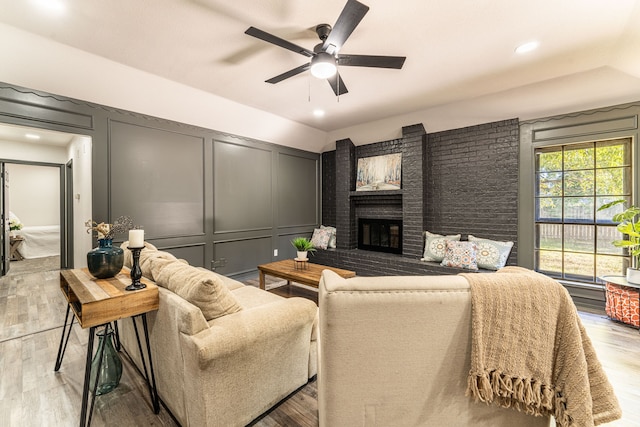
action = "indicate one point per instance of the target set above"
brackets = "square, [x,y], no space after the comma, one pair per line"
[492,254]
[460,255]
[250,297]
[435,246]
[199,287]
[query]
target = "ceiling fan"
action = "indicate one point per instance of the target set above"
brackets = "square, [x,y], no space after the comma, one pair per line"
[325,57]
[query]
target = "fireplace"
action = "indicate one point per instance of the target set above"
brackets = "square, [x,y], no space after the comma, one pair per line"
[381,235]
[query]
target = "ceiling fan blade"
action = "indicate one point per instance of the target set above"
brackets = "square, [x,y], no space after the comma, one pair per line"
[371,61]
[348,20]
[289,73]
[270,38]
[337,84]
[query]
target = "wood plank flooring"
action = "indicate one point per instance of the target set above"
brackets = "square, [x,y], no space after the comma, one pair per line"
[32,312]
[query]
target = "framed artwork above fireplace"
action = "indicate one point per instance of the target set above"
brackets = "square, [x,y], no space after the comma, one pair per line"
[379,173]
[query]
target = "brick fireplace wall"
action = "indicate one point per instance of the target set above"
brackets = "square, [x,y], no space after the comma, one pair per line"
[459,181]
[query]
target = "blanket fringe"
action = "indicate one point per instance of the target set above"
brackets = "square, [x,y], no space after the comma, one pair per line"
[524,394]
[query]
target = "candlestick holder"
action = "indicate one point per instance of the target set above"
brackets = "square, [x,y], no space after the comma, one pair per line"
[136,272]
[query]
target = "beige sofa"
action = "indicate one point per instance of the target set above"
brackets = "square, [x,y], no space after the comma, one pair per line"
[395,351]
[255,349]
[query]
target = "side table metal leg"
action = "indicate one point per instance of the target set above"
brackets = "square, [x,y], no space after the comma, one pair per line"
[154,395]
[115,329]
[87,374]
[62,348]
[151,380]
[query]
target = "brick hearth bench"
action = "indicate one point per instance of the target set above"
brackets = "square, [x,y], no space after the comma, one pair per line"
[367,263]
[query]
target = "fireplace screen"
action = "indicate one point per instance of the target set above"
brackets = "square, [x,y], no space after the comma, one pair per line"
[382,235]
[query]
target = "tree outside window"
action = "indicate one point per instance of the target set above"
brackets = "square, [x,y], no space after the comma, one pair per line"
[572,239]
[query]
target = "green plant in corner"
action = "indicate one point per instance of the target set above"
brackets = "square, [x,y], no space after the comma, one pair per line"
[628,225]
[302,244]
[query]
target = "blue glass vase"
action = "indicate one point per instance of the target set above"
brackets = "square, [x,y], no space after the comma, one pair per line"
[111,367]
[105,261]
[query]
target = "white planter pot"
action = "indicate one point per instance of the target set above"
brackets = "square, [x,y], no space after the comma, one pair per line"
[302,255]
[633,276]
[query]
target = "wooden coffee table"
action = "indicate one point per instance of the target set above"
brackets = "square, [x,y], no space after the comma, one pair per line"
[309,274]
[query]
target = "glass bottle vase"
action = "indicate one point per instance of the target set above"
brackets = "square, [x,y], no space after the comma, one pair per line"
[111,367]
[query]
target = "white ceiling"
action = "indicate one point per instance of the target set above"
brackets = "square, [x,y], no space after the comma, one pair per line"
[458,52]
[34,135]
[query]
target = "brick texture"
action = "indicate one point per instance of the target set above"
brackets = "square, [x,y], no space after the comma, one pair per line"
[328,162]
[459,181]
[345,183]
[472,182]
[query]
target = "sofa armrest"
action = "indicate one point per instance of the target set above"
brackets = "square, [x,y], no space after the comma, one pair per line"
[232,333]
[385,338]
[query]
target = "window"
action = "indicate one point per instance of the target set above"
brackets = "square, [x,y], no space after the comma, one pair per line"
[572,240]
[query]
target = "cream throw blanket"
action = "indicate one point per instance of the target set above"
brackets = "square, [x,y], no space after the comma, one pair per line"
[531,352]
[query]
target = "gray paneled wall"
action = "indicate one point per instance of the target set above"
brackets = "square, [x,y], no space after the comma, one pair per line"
[264,196]
[243,196]
[297,205]
[157,178]
[208,197]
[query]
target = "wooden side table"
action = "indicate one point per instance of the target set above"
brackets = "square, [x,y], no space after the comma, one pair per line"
[14,253]
[97,302]
[622,300]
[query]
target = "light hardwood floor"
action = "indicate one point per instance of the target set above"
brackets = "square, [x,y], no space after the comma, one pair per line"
[32,312]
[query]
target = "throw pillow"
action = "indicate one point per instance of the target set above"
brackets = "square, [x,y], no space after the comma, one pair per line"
[332,239]
[320,238]
[492,254]
[460,255]
[157,263]
[128,258]
[200,288]
[145,261]
[435,246]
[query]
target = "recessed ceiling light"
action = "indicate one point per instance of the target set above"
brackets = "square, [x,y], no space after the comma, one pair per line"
[54,6]
[527,47]
[318,113]
[32,136]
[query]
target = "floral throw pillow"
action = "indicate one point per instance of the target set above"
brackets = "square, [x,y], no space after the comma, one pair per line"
[332,239]
[320,238]
[492,255]
[460,255]
[435,246]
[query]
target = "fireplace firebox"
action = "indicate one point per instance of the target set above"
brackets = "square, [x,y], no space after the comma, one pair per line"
[381,235]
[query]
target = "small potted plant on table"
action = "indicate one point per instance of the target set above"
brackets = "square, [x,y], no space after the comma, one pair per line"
[303,246]
[630,227]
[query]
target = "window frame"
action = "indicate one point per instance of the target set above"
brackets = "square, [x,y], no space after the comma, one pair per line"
[596,223]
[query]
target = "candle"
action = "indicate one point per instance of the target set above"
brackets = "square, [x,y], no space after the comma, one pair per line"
[136,238]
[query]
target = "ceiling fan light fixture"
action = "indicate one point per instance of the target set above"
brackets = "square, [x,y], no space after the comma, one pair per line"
[323,65]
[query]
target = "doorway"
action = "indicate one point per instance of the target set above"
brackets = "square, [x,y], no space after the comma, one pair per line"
[37,239]
[49,186]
